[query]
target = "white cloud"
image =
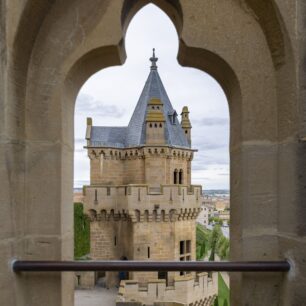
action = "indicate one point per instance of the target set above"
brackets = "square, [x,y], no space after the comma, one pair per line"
[88,104]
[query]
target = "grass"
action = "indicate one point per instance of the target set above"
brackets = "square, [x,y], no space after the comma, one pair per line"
[223,291]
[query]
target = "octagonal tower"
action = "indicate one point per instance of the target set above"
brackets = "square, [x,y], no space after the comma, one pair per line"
[140,200]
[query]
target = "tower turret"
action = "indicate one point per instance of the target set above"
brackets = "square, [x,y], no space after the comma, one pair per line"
[88,130]
[185,123]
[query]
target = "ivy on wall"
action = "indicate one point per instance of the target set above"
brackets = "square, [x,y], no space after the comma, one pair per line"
[81,232]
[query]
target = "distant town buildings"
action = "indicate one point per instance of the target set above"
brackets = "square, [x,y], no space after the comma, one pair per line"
[215,205]
[206,212]
[78,196]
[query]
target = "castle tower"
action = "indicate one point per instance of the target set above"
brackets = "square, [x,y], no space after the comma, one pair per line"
[140,200]
[185,123]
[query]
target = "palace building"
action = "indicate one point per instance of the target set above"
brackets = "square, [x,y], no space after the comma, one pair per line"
[140,200]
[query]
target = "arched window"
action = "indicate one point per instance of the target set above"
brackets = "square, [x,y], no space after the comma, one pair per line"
[155,125]
[160,125]
[150,124]
[180,177]
[175,176]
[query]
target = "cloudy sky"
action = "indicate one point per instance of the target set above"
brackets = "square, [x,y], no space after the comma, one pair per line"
[110,95]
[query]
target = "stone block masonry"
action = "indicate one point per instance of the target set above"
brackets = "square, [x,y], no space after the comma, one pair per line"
[187,290]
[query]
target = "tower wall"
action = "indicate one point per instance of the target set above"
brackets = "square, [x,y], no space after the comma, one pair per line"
[154,165]
[111,239]
[102,245]
[155,239]
[134,170]
[108,170]
[155,170]
[148,223]
[95,171]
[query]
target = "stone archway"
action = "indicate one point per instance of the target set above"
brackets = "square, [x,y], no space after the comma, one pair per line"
[55,46]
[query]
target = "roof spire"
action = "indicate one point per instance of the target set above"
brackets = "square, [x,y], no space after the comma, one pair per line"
[153,59]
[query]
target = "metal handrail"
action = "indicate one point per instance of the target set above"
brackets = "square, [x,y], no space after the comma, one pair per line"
[126,265]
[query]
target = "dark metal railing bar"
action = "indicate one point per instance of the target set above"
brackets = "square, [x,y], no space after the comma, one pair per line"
[114,265]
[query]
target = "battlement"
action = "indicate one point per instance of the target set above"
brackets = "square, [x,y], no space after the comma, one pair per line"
[140,152]
[143,203]
[187,289]
[152,165]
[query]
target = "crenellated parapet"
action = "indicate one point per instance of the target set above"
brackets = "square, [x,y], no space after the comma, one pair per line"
[140,153]
[139,165]
[144,216]
[142,203]
[188,289]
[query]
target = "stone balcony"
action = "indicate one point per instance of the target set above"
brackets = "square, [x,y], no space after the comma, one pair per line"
[189,290]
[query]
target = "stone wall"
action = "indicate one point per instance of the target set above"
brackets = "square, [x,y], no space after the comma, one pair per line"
[134,167]
[111,239]
[187,290]
[162,241]
[145,165]
[155,133]
[114,237]
[84,280]
[106,170]
[155,170]
[174,200]
[254,49]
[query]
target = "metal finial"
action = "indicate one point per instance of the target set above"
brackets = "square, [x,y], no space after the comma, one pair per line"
[153,59]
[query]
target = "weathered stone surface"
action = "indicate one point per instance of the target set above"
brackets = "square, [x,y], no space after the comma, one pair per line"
[255,50]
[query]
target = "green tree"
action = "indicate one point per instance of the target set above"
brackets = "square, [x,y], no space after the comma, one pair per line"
[223,247]
[216,303]
[211,219]
[215,236]
[211,241]
[81,232]
[216,220]
[202,241]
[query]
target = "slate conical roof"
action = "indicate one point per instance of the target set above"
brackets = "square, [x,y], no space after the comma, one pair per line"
[135,133]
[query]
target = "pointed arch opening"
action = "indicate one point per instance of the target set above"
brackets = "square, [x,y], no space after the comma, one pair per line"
[160,94]
[42,91]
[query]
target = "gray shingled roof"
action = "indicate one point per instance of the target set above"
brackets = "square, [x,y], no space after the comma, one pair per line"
[134,134]
[108,136]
